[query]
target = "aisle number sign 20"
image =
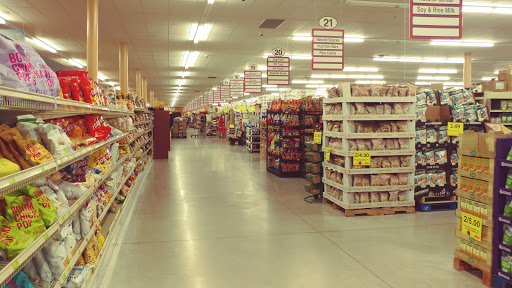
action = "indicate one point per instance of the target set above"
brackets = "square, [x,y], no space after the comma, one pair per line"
[471,226]
[362,158]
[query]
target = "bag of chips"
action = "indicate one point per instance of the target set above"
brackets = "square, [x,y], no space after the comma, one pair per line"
[43,267]
[12,240]
[7,167]
[10,149]
[56,255]
[55,139]
[19,281]
[45,205]
[29,131]
[23,212]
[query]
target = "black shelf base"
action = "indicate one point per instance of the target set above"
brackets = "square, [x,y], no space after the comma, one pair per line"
[284,174]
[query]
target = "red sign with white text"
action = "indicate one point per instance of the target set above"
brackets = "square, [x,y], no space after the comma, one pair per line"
[435,19]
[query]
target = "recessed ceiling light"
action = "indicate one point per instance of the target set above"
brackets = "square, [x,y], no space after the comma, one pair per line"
[307,82]
[101,77]
[418,59]
[199,34]
[438,71]
[189,59]
[111,83]
[464,43]
[184,74]
[76,63]
[441,78]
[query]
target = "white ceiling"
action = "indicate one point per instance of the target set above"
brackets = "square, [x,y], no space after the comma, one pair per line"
[157,33]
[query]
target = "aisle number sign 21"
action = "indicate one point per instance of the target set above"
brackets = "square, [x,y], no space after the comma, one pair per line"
[328,23]
[471,226]
[455,128]
[362,158]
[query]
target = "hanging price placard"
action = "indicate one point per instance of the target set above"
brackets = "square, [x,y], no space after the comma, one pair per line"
[455,128]
[328,154]
[471,226]
[318,137]
[362,158]
[273,145]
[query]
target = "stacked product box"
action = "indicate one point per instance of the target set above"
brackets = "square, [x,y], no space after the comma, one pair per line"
[475,189]
[379,123]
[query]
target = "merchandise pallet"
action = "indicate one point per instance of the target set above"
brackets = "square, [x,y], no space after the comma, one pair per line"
[350,193]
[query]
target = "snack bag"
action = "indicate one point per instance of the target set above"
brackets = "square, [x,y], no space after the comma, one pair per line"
[12,240]
[19,281]
[12,153]
[45,205]
[55,139]
[29,131]
[23,212]
[7,167]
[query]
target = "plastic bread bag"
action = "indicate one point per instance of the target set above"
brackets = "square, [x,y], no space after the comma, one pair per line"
[7,167]
[12,240]
[43,267]
[29,131]
[22,68]
[48,211]
[56,255]
[402,196]
[55,139]
[59,193]
[31,271]
[403,178]
[20,280]
[23,213]
[86,219]
[72,191]
[77,276]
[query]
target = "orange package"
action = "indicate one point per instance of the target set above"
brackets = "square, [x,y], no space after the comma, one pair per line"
[12,149]
[34,152]
[471,165]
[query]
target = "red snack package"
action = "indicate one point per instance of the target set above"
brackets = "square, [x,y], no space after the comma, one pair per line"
[75,90]
[66,89]
[86,87]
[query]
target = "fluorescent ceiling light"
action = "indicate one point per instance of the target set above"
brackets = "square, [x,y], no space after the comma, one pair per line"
[370,82]
[111,83]
[274,94]
[247,94]
[41,43]
[211,1]
[418,59]
[376,3]
[76,63]
[302,57]
[189,59]
[2,20]
[307,82]
[184,74]
[272,89]
[118,88]
[319,76]
[200,34]
[488,78]
[464,43]
[422,83]
[348,38]
[441,78]
[486,7]
[102,77]
[214,88]
[360,69]
[438,71]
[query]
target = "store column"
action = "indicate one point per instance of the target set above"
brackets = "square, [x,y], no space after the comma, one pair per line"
[123,67]
[145,90]
[138,84]
[92,39]
[467,69]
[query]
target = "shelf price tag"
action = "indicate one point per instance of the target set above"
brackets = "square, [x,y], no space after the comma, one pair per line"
[318,137]
[15,265]
[471,226]
[243,109]
[328,154]
[455,128]
[231,126]
[273,145]
[362,158]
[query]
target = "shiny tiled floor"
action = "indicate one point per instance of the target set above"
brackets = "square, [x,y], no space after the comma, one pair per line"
[212,217]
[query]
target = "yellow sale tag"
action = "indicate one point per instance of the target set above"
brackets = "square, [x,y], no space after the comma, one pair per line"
[362,158]
[45,236]
[12,180]
[328,154]
[251,110]
[231,126]
[471,226]
[272,145]
[318,137]
[15,265]
[455,128]
[243,109]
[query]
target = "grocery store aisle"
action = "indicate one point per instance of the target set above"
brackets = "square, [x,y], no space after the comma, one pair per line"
[212,217]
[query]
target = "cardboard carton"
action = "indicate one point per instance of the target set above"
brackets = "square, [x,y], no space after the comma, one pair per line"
[221,134]
[437,113]
[480,144]
[494,86]
[506,76]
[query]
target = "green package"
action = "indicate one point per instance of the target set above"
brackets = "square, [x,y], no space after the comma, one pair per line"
[45,205]
[507,235]
[508,183]
[505,264]
[508,209]
[12,240]
[23,213]
[509,155]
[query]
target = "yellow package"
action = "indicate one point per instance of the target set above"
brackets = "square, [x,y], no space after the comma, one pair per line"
[34,152]
[7,167]
[101,239]
[91,251]
[80,261]
[10,144]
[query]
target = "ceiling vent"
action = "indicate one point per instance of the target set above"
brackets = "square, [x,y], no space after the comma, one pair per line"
[212,77]
[271,23]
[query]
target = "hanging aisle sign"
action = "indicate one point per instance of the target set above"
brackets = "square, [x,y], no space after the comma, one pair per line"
[224,93]
[278,71]
[252,82]
[435,19]
[328,50]
[216,96]
[236,89]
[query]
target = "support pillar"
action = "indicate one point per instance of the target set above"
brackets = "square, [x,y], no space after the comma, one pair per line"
[138,83]
[467,69]
[92,39]
[123,67]
[145,89]
[152,96]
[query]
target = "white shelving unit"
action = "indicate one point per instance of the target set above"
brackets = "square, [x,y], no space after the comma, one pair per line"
[15,102]
[252,142]
[495,109]
[345,196]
